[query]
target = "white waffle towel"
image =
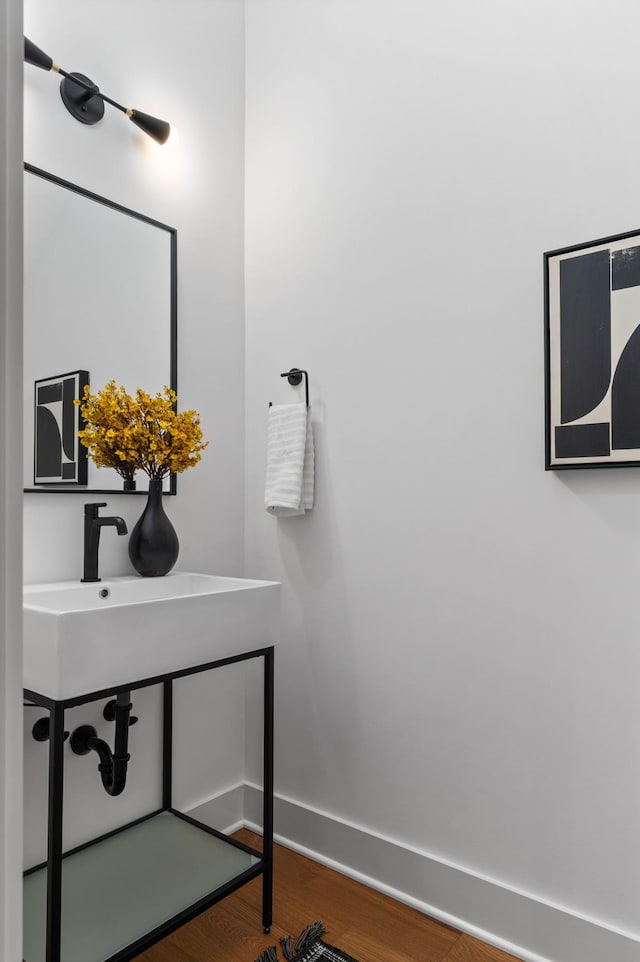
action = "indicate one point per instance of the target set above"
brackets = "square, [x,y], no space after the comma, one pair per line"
[290,460]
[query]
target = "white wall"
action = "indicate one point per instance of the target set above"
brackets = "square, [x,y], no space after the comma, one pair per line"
[10,481]
[460,661]
[187,66]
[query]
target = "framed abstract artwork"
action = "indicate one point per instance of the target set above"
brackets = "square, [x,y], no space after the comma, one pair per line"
[58,456]
[592,354]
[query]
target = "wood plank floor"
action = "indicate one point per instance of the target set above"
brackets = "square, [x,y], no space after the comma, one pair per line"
[366,924]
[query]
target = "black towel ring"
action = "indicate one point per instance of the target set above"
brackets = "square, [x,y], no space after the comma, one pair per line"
[294,376]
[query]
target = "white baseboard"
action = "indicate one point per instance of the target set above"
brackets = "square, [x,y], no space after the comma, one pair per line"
[225,811]
[514,921]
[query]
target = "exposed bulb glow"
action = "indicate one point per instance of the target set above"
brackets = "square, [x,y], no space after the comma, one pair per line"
[173,140]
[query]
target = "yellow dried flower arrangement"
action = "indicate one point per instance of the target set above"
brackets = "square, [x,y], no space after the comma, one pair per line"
[139,433]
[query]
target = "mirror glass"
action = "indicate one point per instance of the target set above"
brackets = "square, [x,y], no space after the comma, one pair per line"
[100,296]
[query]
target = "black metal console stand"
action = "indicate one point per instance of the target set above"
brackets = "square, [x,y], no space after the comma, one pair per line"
[257,863]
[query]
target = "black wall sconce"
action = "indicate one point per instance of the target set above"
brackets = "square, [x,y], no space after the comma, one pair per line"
[85,101]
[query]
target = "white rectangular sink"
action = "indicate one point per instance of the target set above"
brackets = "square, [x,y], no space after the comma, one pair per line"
[80,638]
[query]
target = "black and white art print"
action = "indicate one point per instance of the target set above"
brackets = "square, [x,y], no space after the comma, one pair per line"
[592,320]
[59,458]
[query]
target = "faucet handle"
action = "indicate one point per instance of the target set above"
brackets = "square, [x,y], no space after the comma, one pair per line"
[91,510]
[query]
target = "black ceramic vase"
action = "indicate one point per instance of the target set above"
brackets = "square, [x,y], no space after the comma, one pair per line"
[153,545]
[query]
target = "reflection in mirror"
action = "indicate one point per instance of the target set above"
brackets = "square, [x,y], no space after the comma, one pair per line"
[100,295]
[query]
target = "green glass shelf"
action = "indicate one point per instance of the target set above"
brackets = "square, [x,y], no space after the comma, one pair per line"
[125,886]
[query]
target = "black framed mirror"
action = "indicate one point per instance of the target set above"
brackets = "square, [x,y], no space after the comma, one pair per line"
[100,296]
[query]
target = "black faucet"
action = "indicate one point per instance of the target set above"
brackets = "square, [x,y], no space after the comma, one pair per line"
[92,525]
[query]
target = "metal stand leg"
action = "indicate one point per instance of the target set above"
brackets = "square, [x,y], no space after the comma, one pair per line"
[54,845]
[267,799]
[167,743]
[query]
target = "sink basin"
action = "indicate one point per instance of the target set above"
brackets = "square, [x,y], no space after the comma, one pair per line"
[81,638]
